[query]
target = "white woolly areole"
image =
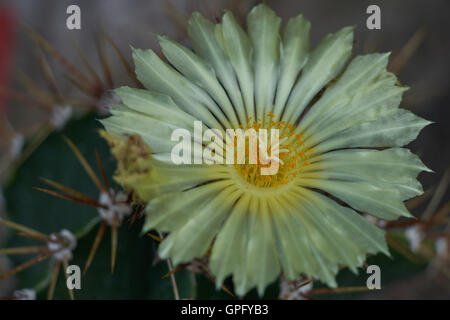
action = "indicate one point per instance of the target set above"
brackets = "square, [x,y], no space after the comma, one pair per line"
[63,249]
[415,237]
[382,223]
[371,219]
[375,221]
[16,146]
[441,245]
[60,115]
[291,292]
[25,294]
[116,206]
[106,102]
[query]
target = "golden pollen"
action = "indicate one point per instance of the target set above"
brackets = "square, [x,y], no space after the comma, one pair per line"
[293,155]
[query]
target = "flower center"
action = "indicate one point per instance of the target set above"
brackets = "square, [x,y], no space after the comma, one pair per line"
[292,155]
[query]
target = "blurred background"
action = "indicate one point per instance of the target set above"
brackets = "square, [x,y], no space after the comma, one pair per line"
[47,82]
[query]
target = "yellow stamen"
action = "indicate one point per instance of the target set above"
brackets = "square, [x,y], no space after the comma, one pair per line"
[293,156]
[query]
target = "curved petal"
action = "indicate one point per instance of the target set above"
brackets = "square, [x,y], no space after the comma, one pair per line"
[196,70]
[371,198]
[262,262]
[238,49]
[157,75]
[263,29]
[293,56]
[327,270]
[171,211]
[328,239]
[202,34]
[154,132]
[196,235]
[230,247]
[394,130]
[311,239]
[361,72]
[351,224]
[157,106]
[167,177]
[153,104]
[365,92]
[396,167]
[324,63]
[293,243]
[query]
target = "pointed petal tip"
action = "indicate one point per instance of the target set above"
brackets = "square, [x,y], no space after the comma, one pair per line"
[176,259]
[332,283]
[163,255]
[346,34]
[388,254]
[196,17]
[428,122]
[354,269]
[261,291]
[227,13]
[407,214]
[163,38]
[404,88]
[347,30]
[304,21]
[219,282]
[262,6]
[132,48]
[425,168]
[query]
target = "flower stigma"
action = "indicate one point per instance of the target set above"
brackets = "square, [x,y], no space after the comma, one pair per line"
[292,156]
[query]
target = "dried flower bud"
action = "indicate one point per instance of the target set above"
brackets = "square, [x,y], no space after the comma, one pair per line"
[134,162]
